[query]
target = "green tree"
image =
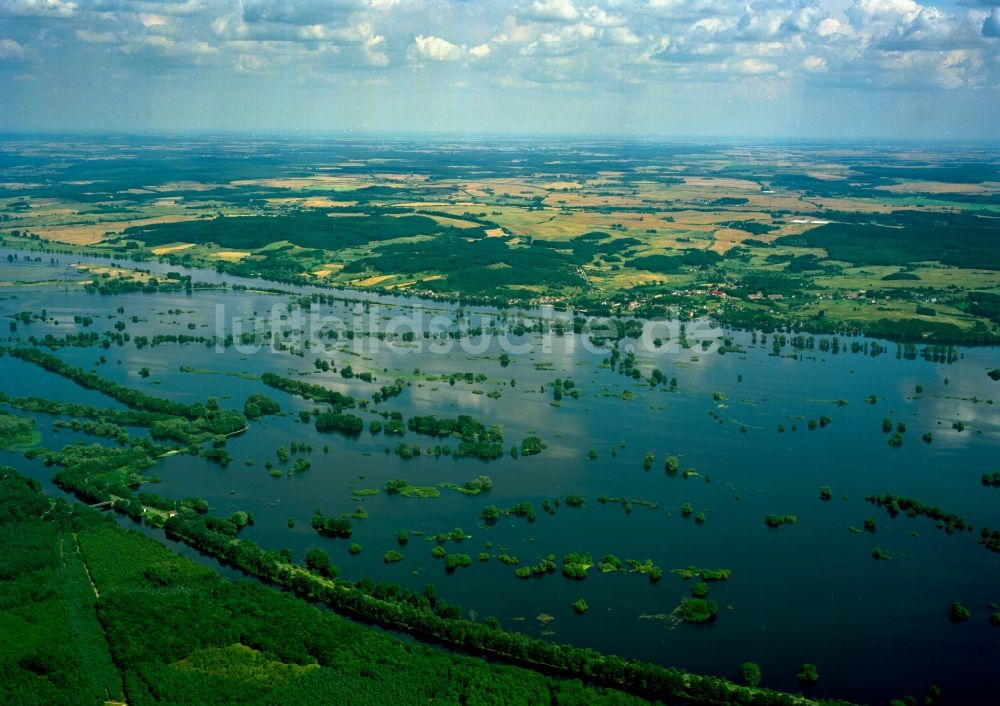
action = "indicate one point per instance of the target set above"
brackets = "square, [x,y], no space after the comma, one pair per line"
[807,674]
[750,671]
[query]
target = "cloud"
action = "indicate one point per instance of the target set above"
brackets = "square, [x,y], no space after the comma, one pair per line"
[38,8]
[436,49]
[186,8]
[9,49]
[165,47]
[298,13]
[814,63]
[621,36]
[89,37]
[372,51]
[480,51]
[551,11]
[601,43]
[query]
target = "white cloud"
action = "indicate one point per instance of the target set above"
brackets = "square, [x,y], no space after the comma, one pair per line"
[436,49]
[38,8]
[9,49]
[621,36]
[814,63]
[480,51]
[754,67]
[830,26]
[372,52]
[86,35]
[552,10]
[250,63]
[167,47]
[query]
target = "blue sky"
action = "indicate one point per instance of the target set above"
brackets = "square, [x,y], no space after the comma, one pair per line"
[773,69]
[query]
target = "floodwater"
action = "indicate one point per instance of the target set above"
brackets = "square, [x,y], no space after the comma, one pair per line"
[805,592]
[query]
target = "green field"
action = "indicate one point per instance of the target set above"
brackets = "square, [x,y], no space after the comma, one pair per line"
[760,242]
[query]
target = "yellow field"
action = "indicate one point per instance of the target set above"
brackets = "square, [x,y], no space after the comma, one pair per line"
[90,233]
[937,187]
[372,281]
[230,255]
[113,272]
[164,249]
[728,238]
[312,202]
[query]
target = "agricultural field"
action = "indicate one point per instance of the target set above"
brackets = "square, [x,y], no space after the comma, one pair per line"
[896,243]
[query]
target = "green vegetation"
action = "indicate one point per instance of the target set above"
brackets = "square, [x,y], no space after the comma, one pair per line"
[491,513]
[392,556]
[398,486]
[693,572]
[825,493]
[453,561]
[912,507]
[332,526]
[958,613]
[216,421]
[316,393]
[475,438]
[16,431]
[773,520]
[349,424]
[750,671]
[470,487]
[904,237]
[807,674]
[532,445]
[574,565]
[580,606]
[698,610]
[258,405]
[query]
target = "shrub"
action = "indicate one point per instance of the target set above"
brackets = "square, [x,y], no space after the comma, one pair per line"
[750,671]
[698,610]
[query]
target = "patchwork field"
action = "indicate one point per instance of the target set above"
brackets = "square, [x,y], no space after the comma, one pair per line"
[652,229]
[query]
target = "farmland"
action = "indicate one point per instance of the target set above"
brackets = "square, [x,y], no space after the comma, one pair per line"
[824,239]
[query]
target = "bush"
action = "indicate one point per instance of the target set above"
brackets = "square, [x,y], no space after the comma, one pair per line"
[958,613]
[807,674]
[750,671]
[698,610]
[391,557]
[580,606]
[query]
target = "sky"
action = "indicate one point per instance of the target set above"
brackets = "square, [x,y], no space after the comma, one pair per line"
[875,70]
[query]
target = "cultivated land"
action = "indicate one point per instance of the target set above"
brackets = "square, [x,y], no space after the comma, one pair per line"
[899,243]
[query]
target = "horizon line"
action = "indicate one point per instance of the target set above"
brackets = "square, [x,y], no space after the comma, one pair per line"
[465,136]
